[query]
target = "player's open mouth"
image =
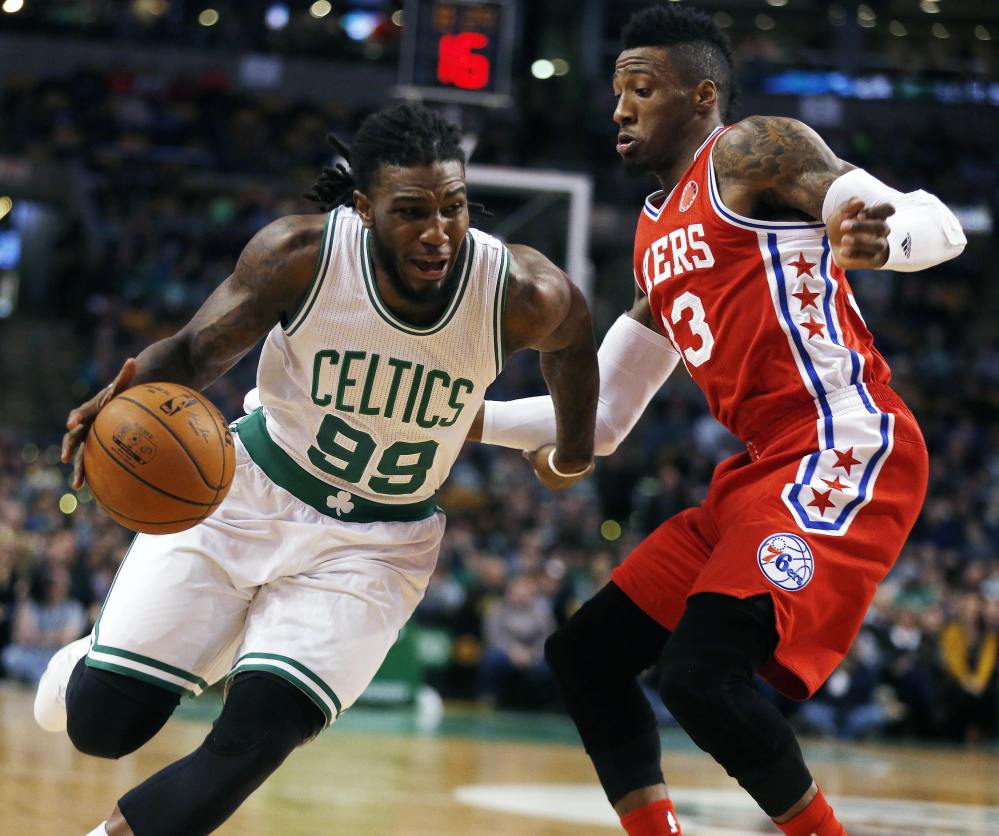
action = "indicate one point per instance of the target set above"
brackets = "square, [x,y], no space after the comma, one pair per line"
[430,268]
[626,143]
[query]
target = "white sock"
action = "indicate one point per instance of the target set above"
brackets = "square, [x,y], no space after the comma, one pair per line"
[100,830]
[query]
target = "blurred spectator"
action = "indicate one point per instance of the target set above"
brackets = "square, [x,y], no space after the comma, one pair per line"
[44,620]
[487,578]
[969,646]
[910,665]
[852,704]
[513,670]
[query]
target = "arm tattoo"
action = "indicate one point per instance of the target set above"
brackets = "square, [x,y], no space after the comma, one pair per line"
[781,160]
[268,282]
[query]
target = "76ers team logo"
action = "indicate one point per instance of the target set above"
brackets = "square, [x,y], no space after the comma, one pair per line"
[688,196]
[787,561]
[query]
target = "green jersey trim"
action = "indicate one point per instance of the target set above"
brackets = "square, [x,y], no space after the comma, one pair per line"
[499,306]
[142,677]
[368,269]
[329,499]
[322,265]
[295,672]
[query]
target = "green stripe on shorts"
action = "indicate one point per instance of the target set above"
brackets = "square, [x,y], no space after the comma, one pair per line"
[301,676]
[140,675]
[180,673]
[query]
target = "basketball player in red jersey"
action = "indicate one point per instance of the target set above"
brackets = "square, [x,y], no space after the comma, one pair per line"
[739,262]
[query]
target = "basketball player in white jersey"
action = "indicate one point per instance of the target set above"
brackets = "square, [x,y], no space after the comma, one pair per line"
[385,320]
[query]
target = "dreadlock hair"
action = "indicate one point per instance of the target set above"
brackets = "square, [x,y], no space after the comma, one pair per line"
[404,135]
[698,48]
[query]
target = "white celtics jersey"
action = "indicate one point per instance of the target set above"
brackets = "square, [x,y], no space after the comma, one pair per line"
[363,414]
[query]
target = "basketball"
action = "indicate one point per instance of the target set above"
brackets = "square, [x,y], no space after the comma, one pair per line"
[159,458]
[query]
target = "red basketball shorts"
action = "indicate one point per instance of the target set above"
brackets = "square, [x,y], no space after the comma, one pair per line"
[814,519]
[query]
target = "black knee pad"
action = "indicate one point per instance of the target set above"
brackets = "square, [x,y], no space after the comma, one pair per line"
[266,714]
[596,657]
[109,715]
[608,637]
[706,676]
[263,720]
[718,645]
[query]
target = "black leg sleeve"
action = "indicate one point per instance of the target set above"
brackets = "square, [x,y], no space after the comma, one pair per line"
[263,720]
[109,715]
[707,670]
[596,657]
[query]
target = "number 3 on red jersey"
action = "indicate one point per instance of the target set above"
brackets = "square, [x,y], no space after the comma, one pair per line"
[699,327]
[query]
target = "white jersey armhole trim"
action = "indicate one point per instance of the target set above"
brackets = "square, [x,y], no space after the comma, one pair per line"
[322,266]
[499,310]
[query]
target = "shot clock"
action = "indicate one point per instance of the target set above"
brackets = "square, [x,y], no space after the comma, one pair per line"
[458,50]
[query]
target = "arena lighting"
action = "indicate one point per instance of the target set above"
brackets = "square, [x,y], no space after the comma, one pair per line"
[931,7]
[360,25]
[150,8]
[277,16]
[982,33]
[320,8]
[610,530]
[13,6]
[6,204]
[208,17]
[542,69]
[777,3]
[939,31]
[765,22]
[397,17]
[865,13]
[722,20]
[897,28]
[560,66]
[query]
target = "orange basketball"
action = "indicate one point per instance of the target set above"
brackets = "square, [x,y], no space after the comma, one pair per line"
[159,458]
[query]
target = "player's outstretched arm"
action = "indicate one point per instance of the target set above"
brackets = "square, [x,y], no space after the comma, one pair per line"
[634,359]
[267,285]
[781,162]
[547,312]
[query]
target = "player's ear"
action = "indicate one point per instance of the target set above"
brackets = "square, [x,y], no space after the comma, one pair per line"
[705,96]
[363,206]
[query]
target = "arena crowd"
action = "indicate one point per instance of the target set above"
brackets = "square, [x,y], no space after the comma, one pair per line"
[179,173]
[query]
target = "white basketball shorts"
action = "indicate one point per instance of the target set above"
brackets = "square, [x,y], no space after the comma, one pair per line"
[266,583]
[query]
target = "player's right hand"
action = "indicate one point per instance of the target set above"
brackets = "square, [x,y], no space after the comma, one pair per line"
[79,420]
[858,234]
[549,478]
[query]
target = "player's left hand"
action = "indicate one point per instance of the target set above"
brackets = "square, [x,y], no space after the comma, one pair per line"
[79,421]
[548,477]
[858,234]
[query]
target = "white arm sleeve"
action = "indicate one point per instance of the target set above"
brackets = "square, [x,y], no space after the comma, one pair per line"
[634,364]
[923,233]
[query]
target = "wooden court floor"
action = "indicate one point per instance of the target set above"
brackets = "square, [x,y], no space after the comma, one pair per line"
[377,776]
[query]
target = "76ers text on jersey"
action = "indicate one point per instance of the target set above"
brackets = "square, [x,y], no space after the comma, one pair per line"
[679,251]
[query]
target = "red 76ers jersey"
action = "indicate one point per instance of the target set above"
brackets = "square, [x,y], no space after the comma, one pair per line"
[763,318]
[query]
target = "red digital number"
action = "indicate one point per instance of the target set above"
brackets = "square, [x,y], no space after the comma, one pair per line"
[459,64]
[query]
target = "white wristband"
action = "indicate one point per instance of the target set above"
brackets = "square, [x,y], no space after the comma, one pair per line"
[557,472]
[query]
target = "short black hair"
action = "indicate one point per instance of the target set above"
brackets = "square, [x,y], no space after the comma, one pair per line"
[699,49]
[404,135]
